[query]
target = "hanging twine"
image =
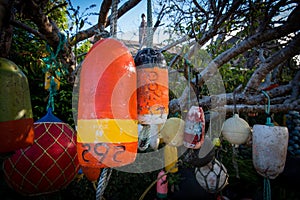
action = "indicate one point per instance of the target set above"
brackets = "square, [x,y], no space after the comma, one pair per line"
[267,186]
[51,61]
[189,84]
[267,110]
[104,178]
[53,66]
[114,18]
[52,93]
[144,139]
[234,161]
[267,189]
[149,25]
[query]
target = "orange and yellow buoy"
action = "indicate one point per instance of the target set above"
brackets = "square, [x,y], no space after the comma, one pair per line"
[107,107]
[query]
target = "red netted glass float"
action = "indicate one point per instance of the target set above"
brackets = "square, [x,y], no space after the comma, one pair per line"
[48,165]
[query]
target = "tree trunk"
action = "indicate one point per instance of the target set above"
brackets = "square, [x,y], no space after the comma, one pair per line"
[6,30]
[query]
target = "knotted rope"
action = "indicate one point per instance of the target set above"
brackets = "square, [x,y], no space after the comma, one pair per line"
[144,138]
[267,189]
[114,18]
[149,25]
[106,172]
[55,68]
[267,186]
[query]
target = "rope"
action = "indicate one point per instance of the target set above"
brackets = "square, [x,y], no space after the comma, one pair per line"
[114,18]
[144,138]
[52,93]
[268,123]
[53,66]
[197,88]
[51,60]
[104,178]
[234,102]
[234,162]
[149,25]
[267,189]
[189,86]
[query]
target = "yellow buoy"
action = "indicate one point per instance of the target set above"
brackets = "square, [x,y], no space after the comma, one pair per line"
[173,132]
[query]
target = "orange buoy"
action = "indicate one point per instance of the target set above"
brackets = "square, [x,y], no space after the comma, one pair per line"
[152,87]
[16,119]
[92,174]
[107,107]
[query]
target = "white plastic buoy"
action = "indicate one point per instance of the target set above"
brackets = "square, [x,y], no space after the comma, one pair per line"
[236,130]
[269,149]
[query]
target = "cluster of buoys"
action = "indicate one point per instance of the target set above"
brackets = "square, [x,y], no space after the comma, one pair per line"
[117,94]
[44,155]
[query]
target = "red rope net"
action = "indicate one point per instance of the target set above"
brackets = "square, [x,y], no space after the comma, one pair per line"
[49,165]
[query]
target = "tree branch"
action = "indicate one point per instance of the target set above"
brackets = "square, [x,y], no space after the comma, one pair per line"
[245,103]
[277,108]
[28,29]
[103,13]
[6,30]
[200,8]
[243,46]
[296,87]
[280,56]
[82,35]
[34,11]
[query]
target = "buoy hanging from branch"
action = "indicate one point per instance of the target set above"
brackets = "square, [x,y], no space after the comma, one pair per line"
[269,147]
[152,87]
[173,131]
[48,165]
[170,158]
[236,130]
[16,119]
[152,94]
[194,130]
[212,177]
[107,107]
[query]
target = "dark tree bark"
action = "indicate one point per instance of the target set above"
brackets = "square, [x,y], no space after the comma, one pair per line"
[6,29]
